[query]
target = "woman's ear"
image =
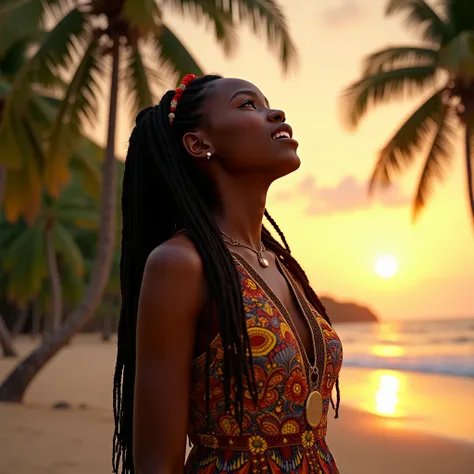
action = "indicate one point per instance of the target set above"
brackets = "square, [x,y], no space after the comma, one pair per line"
[197,145]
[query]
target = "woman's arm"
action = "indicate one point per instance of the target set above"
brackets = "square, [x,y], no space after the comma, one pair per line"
[171,298]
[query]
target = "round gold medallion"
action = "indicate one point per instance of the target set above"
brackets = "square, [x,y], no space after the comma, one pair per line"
[314,409]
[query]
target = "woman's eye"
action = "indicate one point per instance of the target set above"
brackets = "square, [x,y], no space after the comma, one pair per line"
[249,102]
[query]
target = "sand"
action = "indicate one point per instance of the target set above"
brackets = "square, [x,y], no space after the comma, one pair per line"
[35,438]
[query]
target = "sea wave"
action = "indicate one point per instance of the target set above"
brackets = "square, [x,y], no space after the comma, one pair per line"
[441,347]
[460,366]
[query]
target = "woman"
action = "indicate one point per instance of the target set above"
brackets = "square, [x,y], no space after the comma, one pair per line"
[221,336]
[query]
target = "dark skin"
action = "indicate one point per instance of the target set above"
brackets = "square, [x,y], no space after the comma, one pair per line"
[238,131]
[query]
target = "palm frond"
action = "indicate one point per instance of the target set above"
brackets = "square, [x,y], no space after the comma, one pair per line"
[67,248]
[43,109]
[83,218]
[266,16]
[173,54]
[86,161]
[60,47]
[143,14]
[139,86]
[80,104]
[54,10]
[11,154]
[23,187]
[25,263]
[210,13]
[8,233]
[423,17]
[13,58]
[18,18]
[19,142]
[401,149]
[72,286]
[398,56]
[439,157]
[54,53]
[383,87]
[5,87]
[457,58]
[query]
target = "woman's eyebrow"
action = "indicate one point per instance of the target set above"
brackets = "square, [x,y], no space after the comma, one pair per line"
[248,92]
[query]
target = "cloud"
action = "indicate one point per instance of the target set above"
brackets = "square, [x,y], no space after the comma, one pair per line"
[346,12]
[348,195]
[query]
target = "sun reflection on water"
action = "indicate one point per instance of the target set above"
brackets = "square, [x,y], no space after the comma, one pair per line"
[385,350]
[386,397]
[386,392]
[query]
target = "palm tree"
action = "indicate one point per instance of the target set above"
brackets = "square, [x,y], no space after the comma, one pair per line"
[89,36]
[23,154]
[37,258]
[442,67]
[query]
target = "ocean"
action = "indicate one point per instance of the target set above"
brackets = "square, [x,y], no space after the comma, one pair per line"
[443,347]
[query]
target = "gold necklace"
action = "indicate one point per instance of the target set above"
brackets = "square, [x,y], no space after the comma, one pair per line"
[236,243]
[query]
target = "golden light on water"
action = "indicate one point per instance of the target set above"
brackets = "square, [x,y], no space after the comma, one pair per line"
[383,350]
[386,397]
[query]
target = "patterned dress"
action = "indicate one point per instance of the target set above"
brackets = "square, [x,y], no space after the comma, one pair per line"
[276,436]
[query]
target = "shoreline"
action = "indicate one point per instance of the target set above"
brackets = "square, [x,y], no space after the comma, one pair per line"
[79,440]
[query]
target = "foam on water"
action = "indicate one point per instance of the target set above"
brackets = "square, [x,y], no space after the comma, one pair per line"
[440,347]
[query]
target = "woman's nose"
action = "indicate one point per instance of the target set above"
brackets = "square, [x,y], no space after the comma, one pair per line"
[277,116]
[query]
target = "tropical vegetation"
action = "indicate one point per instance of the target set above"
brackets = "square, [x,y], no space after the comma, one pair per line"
[440,70]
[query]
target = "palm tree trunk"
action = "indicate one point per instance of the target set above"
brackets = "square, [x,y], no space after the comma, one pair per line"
[14,386]
[55,279]
[20,322]
[35,325]
[469,159]
[6,342]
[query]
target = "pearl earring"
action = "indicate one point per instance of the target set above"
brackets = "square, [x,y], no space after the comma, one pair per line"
[209,154]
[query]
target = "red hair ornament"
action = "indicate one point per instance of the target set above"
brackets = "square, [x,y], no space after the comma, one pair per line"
[187,79]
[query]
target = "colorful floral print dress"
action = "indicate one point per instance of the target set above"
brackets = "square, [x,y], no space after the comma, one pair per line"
[276,436]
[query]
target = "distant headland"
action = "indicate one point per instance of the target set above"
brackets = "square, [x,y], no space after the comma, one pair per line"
[348,312]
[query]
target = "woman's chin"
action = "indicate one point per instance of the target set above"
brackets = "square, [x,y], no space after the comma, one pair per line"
[289,164]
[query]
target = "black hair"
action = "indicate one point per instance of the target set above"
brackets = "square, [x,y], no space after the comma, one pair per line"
[163,191]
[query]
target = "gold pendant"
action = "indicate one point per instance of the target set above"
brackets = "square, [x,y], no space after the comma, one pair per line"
[314,409]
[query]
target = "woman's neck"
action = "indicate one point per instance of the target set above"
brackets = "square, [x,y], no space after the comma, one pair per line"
[240,212]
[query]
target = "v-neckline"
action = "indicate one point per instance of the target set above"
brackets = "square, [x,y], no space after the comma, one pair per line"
[315,329]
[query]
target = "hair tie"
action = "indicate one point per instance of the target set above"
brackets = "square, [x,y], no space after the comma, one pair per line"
[187,79]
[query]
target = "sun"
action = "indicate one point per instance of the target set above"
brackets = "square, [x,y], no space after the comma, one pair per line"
[386,266]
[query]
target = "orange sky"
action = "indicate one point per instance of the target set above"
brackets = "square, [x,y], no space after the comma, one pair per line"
[334,231]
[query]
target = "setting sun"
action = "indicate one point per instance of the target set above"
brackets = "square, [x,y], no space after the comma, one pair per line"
[386,266]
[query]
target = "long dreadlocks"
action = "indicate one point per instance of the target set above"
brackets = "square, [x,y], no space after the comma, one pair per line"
[163,190]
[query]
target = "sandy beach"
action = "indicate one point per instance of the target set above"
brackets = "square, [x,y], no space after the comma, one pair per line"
[399,436]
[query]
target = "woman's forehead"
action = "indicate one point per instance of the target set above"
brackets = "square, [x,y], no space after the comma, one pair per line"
[227,88]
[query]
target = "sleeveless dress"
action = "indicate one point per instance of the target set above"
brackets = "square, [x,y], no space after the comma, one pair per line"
[276,436]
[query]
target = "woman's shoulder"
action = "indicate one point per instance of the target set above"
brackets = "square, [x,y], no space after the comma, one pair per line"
[177,256]
[172,284]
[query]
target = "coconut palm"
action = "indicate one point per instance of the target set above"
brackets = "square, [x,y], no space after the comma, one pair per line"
[441,68]
[23,154]
[37,258]
[128,41]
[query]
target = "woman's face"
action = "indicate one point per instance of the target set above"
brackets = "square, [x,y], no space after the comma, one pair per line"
[243,133]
